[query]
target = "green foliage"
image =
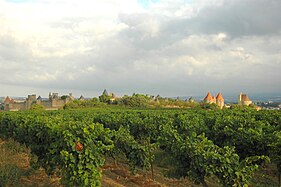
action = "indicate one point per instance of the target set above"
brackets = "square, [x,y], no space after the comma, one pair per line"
[37,107]
[9,172]
[63,97]
[135,153]
[104,92]
[9,175]
[84,104]
[13,147]
[275,152]
[82,167]
[95,100]
[241,107]
[105,98]
[54,142]
[172,103]
[197,157]
[228,144]
[136,100]
[236,106]
[212,106]
[252,105]
[276,149]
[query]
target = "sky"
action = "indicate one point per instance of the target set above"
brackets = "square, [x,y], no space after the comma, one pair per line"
[166,47]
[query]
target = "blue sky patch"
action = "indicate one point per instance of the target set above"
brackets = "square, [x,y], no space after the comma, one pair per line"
[146,3]
[20,1]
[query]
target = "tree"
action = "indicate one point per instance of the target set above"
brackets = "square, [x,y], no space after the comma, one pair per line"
[136,100]
[105,98]
[212,106]
[104,92]
[63,97]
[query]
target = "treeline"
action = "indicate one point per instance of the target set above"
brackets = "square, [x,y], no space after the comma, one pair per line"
[143,101]
[228,144]
[133,101]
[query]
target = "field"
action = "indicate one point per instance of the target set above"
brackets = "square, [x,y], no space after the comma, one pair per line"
[122,147]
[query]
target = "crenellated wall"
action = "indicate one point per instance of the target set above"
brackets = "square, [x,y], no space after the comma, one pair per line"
[54,102]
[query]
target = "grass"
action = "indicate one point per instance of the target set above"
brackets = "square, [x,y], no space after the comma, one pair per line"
[15,170]
[10,172]
[266,177]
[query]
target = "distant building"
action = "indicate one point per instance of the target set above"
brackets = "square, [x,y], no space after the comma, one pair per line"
[81,98]
[113,97]
[209,98]
[244,100]
[191,100]
[8,100]
[155,98]
[219,100]
[53,103]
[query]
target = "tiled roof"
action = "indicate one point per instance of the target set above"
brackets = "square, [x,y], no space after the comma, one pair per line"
[208,97]
[7,100]
[219,96]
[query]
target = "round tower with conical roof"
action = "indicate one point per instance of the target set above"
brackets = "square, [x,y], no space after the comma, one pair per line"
[220,100]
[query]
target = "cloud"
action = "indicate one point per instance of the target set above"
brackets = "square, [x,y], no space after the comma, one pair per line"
[169,47]
[240,18]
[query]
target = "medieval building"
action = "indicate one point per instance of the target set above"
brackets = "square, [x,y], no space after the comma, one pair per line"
[53,103]
[243,99]
[81,98]
[219,100]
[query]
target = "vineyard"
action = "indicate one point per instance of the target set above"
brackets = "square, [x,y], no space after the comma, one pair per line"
[230,145]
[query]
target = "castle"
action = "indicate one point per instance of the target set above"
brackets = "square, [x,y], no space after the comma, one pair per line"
[243,99]
[219,100]
[53,103]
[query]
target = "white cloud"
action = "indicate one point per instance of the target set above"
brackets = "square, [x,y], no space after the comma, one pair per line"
[121,45]
[221,37]
[43,77]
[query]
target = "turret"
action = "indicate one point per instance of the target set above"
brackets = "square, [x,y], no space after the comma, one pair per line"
[220,100]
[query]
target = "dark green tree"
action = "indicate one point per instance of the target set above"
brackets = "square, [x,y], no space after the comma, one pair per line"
[136,100]
[105,98]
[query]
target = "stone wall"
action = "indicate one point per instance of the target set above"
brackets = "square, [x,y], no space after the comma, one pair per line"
[220,103]
[58,103]
[15,106]
[45,104]
[54,103]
